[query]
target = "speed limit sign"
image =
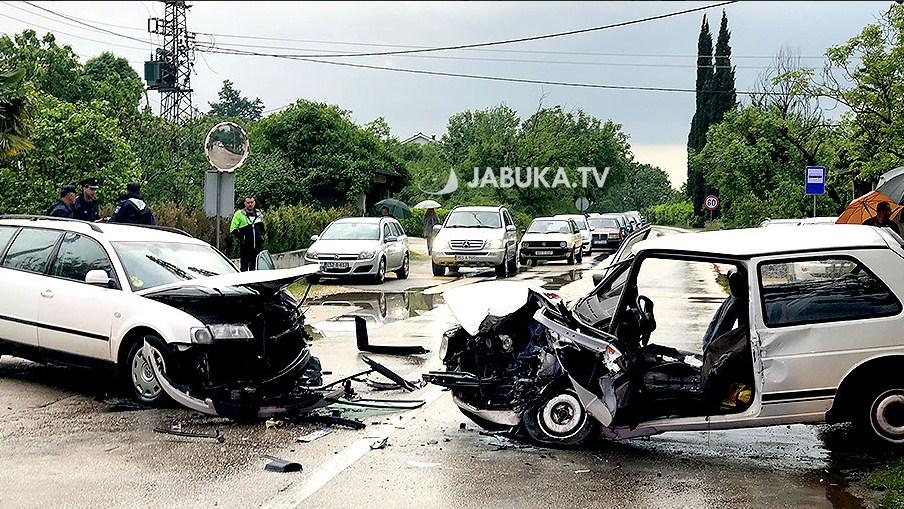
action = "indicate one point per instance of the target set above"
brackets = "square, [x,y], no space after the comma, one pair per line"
[711,202]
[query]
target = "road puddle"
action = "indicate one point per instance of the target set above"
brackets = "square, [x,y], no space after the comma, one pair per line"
[377,309]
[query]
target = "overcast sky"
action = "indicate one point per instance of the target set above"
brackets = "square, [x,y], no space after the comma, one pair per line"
[657,122]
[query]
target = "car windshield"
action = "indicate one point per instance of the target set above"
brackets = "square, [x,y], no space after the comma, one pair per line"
[150,264]
[352,231]
[619,219]
[602,222]
[549,226]
[580,220]
[473,219]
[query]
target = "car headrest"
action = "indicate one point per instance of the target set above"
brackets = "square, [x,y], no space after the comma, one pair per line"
[737,284]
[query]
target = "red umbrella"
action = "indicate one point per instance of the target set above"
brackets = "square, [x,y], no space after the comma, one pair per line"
[864,208]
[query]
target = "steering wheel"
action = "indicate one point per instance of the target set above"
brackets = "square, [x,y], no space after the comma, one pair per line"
[643,314]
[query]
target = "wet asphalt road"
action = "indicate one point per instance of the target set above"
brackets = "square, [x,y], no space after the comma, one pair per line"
[62,445]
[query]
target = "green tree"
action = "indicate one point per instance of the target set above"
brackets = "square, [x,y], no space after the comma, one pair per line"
[723,97]
[700,122]
[113,80]
[233,105]
[71,142]
[14,115]
[51,68]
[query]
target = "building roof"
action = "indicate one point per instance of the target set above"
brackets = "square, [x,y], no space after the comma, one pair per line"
[419,136]
[749,242]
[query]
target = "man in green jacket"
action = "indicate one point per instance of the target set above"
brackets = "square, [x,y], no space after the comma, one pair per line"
[248,226]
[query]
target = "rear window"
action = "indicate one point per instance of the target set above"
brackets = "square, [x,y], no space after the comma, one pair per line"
[31,250]
[817,290]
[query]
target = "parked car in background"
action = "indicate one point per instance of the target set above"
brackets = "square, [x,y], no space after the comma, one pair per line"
[552,238]
[623,222]
[137,300]
[638,218]
[605,232]
[778,351]
[476,237]
[581,221]
[361,246]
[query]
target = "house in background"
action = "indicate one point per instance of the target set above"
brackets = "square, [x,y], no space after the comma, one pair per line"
[421,139]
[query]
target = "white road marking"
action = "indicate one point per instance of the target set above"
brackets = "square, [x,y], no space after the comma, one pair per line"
[323,474]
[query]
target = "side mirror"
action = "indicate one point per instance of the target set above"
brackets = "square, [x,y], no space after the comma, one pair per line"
[437,228]
[314,238]
[597,279]
[97,277]
[264,261]
[510,228]
[390,239]
[523,231]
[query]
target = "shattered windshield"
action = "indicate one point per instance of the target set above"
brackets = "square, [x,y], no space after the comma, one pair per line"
[150,264]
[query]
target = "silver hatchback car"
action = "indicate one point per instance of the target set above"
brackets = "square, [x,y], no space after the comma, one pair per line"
[361,246]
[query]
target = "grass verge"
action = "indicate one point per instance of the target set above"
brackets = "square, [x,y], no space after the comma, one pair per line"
[889,480]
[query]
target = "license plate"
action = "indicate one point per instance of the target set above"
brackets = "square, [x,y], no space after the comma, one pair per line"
[599,242]
[335,265]
[465,258]
[544,253]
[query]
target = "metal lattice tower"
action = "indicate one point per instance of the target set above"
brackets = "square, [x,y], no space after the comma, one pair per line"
[175,62]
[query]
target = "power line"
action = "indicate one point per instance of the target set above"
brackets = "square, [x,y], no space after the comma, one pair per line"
[522,39]
[70,18]
[55,31]
[486,77]
[32,13]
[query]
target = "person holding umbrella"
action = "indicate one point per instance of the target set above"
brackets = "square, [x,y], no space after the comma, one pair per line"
[429,221]
[883,218]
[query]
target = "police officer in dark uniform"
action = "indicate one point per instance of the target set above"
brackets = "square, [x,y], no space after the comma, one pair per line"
[64,206]
[132,209]
[86,207]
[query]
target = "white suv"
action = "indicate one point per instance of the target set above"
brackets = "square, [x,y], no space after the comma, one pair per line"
[476,237]
[109,295]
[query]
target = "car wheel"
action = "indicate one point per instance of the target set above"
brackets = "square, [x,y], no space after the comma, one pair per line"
[502,268]
[438,270]
[570,259]
[140,380]
[882,415]
[558,419]
[380,276]
[406,266]
[313,279]
[512,266]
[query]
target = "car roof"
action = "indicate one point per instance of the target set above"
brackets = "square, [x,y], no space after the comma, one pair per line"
[363,219]
[749,242]
[109,231]
[571,216]
[477,209]
[550,218]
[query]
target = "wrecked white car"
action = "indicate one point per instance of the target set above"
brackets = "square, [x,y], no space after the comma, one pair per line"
[770,348]
[114,296]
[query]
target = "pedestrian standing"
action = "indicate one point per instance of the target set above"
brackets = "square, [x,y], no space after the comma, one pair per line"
[384,211]
[132,209]
[64,206]
[883,218]
[86,207]
[429,221]
[248,226]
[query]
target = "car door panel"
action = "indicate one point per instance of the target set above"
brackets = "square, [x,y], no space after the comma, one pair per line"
[22,270]
[77,317]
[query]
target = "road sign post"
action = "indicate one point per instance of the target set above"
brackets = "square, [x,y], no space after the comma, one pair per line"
[226,147]
[815,182]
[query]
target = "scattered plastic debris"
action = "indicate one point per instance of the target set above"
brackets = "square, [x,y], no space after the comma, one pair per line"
[314,435]
[281,465]
[274,423]
[176,430]
[380,444]
[421,464]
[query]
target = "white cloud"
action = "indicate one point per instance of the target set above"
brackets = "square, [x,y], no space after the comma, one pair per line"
[670,157]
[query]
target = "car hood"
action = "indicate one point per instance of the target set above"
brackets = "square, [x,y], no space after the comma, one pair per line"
[534,237]
[606,230]
[472,304]
[344,246]
[446,234]
[263,281]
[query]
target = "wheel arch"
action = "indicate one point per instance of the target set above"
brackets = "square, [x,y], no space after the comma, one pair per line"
[873,371]
[130,338]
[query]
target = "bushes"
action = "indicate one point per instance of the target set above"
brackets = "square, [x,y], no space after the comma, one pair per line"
[680,213]
[287,228]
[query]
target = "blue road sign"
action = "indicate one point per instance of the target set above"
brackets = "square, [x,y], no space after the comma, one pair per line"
[815,180]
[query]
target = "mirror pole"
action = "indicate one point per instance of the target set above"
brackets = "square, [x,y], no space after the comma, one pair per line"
[217,224]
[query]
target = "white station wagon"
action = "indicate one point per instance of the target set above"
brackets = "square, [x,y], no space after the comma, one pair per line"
[738,339]
[113,296]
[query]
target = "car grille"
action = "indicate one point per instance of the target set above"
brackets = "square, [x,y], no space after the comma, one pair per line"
[466,245]
[337,256]
[543,243]
[600,236]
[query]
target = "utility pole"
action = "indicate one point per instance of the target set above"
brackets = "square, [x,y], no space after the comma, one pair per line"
[169,72]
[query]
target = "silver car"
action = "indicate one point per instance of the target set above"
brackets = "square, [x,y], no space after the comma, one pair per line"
[476,237]
[361,246]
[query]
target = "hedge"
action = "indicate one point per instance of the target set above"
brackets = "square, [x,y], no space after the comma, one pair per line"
[672,214]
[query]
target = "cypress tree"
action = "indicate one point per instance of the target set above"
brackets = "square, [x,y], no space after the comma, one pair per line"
[724,97]
[696,139]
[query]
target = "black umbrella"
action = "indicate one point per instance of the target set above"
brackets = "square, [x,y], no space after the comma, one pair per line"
[891,184]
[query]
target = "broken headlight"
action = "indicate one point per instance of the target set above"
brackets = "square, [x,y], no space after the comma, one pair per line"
[206,335]
[614,360]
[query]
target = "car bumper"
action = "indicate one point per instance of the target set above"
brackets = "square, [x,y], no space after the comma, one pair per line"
[490,258]
[348,267]
[606,243]
[550,253]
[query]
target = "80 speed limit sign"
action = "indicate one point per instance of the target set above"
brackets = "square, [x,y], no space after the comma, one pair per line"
[711,202]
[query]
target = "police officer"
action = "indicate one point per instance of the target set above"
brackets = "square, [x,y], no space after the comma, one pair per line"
[86,207]
[64,206]
[132,209]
